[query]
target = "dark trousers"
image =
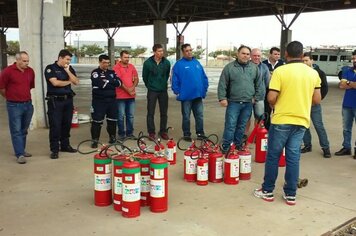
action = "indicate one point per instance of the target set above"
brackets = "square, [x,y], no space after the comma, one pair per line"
[152,98]
[60,113]
[103,108]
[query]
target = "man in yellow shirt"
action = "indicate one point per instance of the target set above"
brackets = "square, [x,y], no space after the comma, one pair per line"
[294,87]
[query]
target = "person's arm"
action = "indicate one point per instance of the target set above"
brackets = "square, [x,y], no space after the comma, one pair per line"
[2,92]
[259,87]
[59,83]
[176,79]
[145,72]
[222,87]
[272,97]
[316,96]
[71,74]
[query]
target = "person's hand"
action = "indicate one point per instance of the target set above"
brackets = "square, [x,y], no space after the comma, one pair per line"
[224,103]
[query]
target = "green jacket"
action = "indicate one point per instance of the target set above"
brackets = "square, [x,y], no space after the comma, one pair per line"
[240,84]
[156,75]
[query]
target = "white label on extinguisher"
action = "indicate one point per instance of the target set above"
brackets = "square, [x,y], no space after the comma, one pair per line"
[169,154]
[190,165]
[284,151]
[202,174]
[107,168]
[234,169]
[264,144]
[118,171]
[245,164]
[102,182]
[157,188]
[145,169]
[118,185]
[75,118]
[99,169]
[145,183]
[219,168]
[132,192]
[158,173]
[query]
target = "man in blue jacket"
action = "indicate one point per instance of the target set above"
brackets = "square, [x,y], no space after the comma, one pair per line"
[190,84]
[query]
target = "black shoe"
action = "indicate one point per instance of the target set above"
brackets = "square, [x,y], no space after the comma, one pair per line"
[54,155]
[307,148]
[187,139]
[69,149]
[201,137]
[326,152]
[343,152]
[94,144]
[112,140]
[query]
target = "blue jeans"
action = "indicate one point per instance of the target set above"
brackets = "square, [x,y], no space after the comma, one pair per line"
[236,116]
[126,109]
[195,105]
[317,119]
[348,117]
[20,115]
[290,138]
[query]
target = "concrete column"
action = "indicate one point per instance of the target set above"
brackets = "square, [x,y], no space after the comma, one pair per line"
[180,42]
[160,33]
[286,37]
[111,51]
[41,43]
[3,47]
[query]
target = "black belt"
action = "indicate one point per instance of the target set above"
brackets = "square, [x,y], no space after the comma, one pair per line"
[19,101]
[60,97]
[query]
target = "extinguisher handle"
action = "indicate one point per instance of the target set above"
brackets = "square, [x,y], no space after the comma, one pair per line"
[142,144]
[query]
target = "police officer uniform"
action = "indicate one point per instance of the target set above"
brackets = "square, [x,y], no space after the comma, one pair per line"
[60,109]
[104,84]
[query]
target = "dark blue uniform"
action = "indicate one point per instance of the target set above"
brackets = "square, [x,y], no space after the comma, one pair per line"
[104,85]
[60,108]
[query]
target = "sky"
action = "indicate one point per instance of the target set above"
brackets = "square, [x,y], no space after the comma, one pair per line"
[312,29]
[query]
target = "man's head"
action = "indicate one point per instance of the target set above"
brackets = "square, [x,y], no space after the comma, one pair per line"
[158,51]
[243,54]
[22,60]
[64,57]
[308,59]
[294,50]
[187,51]
[274,54]
[353,58]
[256,56]
[104,62]
[124,57]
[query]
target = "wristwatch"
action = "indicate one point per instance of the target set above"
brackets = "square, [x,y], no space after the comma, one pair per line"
[348,82]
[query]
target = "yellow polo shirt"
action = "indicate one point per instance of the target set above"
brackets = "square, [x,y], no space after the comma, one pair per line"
[295,83]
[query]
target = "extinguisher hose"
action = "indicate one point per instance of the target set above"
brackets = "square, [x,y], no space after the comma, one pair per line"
[211,137]
[142,145]
[264,117]
[87,141]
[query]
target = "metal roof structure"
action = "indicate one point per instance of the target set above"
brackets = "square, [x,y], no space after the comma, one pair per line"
[96,14]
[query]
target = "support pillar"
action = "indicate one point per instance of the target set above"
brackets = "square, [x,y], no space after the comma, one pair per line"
[3,49]
[41,36]
[111,50]
[180,42]
[160,33]
[286,37]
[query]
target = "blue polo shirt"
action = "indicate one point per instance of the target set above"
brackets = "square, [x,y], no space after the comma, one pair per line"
[350,94]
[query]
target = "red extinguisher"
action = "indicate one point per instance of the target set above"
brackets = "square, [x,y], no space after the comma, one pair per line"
[159,184]
[159,147]
[282,159]
[231,166]
[145,159]
[118,162]
[75,118]
[191,156]
[261,143]
[216,167]
[202,171]
[102,180]
[171,152]
[131,189]
[245,163]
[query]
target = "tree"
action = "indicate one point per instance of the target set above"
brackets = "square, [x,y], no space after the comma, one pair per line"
[198,52]
[137,51]
[91,50]
[13,47]
[171,51]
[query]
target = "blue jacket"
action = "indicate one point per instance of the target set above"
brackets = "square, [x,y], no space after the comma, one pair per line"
[189,80]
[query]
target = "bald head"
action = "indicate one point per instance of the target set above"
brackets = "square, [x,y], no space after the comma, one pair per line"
[256,56]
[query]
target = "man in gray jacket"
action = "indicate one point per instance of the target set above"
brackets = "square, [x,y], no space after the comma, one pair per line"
[239,85]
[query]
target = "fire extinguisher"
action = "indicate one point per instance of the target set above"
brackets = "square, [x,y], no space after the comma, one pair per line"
[75,118]
[202,171]
[261,143]
[245,164]
[118,162]
[171,152]
[102,178]
[131,189]
[145,159]
[159,147]
[282,159]
[231,166]
[216,167]
[159,184]
[191,156]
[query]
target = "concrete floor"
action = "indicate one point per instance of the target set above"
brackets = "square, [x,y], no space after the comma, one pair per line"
[55,197]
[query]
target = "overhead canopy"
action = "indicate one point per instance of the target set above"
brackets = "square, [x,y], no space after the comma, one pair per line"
[97,14]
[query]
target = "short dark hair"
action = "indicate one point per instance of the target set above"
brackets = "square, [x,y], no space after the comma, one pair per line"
[156,46]
[243,46]
[274,49]
[354,53]
[184,46]
[308,54]
[64,52]
[103,57]
[124,52]
[295,49]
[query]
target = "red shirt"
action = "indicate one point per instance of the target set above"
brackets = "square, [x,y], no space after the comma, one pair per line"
[17,84]
[126,74]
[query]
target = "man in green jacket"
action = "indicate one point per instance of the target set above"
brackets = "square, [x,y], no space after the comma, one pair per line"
[155,74]
[240,86]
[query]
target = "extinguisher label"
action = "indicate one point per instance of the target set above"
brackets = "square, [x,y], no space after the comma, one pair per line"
[190,166]
[99,169]
[118,185]
[169,154]
[107,168]
[102,182]
[264,145]
[234,169]
[245,164]
[219,168]
[131,192]
[145,169]
[203,172]
[158,173]
[157,188]
[145,183]
[118,171]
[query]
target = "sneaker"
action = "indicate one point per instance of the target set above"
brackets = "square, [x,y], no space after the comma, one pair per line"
[112,140]
[307,148]
[164,136]
[187,139]
[201,137]
[152,136]
[54,155]
[69,149]
[326,152]
[131,136]
[267,196]
[121,137]
[290,200]
[27,154]
[343,152]
[21,160]
[94,144]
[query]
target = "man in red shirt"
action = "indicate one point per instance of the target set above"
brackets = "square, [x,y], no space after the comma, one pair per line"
[125,95]
[16,82]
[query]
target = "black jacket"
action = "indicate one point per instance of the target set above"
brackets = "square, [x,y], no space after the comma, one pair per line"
[104,83]
[324,83]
